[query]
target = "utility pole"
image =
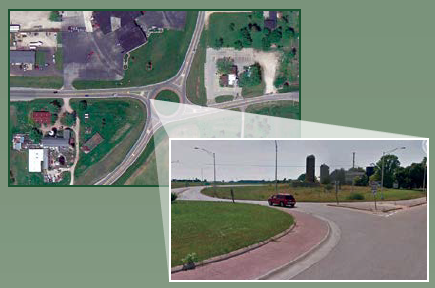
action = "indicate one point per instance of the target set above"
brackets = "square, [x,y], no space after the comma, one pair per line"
[214,165]
[276,167]
[353,161]
[424,180]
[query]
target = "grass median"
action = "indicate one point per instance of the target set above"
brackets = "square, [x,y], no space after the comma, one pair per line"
[314,194]
[214,228]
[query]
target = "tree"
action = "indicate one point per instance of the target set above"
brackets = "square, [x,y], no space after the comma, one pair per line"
[302,177]
[53,118]
[68,119]
[258,14]
[391,163]
[361,180]
[224,65]
[251,76]
[402,177]
[232,26]
[245,37]
[219,42]
[238,45]
[54,106]
[265,43]
[288,32]
[35,135]
[279,81]
[275,36]
[83,105]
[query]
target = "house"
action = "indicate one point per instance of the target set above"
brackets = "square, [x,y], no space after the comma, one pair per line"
[232,80]
[17,142]
[41,117]
[270,20]
[18,57]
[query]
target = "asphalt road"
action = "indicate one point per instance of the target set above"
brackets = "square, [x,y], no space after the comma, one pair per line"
[144,93]
[371,247]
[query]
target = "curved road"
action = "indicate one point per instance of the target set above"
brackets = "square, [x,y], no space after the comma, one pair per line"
[371,247]
[145,93]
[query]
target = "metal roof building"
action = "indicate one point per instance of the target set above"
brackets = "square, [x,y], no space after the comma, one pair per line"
[54,142]
[36,156]
[21,56]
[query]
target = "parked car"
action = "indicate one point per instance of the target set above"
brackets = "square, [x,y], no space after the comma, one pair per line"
[282,200]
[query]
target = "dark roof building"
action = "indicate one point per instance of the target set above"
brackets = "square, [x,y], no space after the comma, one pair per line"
[130,37]
[270,22]
[21,56]
[55,142]
[104,19]
[41,117]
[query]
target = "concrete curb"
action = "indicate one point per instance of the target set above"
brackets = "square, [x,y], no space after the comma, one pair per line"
[365,209]
[275,271]
[237,252]
[418,204]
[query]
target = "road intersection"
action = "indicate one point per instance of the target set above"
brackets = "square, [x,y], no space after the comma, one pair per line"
[144,94]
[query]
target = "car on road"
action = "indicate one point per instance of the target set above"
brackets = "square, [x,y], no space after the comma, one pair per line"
[282,200]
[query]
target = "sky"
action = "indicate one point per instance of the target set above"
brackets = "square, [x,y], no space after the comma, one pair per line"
[243,159]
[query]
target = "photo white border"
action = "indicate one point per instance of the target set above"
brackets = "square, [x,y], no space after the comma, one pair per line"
[297,139]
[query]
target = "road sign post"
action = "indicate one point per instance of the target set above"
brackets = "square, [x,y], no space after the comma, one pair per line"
[374,186]
[336,191]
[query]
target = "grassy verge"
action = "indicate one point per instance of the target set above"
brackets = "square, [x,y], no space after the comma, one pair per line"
[195,88]
[168,95]
[166,52]
[144,170]
[40,58]
[58,56]
[303,194]
[286,109]
[254,91]
[224,98]
[54,82]
[210,229]
[119,122]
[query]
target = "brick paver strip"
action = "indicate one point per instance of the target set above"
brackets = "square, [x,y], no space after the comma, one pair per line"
[308,232]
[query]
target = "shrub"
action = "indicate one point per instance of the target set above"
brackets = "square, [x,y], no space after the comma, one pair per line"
[174,197]
[356,196]
[190,258]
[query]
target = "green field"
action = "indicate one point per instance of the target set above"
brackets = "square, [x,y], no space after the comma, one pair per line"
[195,88]
[168,95]
[55,82]
[286,109]
[165,51]
[303,194]
[214,228]
[19,171]
[144,170]
[224,98]
[120,122]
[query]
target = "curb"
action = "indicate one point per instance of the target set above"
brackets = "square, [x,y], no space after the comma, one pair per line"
[418,204]
[301,257]
[363,209]
[239,251]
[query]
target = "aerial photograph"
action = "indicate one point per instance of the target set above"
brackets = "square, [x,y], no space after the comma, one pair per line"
[82,85]
[299,209]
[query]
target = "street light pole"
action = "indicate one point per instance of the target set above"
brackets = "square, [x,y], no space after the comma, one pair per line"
[383,161]
[276,167]
[214,164]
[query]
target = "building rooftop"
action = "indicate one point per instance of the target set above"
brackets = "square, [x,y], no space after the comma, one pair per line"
[22,56]
[36,156]
[42,117]
[55,142]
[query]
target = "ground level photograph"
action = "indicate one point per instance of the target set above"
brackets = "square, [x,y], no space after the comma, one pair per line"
[298,209]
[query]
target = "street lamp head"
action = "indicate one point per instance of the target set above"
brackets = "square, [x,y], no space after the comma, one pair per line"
[196,148]
[403,147]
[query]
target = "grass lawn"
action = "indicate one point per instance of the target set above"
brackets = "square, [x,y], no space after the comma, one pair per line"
[20,117]
[195,88]
[254,91]
[40,58]
[58,56]
[20,175]
[224,98]
[144,170]
[168,95]
[165,51]
[55,16]
[119,122]
[303,194]
[55,82]
[210,229]
[286,109]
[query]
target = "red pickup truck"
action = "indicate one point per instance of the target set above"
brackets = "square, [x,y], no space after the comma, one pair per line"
[282,200]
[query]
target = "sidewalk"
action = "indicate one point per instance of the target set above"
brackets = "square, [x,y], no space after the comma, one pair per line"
[382,206]
[308,232]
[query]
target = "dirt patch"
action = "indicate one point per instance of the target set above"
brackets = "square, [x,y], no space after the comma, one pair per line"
[269,62]
[31,20]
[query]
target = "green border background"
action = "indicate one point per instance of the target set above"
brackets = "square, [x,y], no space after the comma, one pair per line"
[366,64]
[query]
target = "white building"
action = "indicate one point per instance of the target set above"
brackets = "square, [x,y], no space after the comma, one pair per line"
[36,157]
[232,79]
